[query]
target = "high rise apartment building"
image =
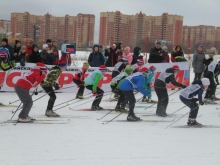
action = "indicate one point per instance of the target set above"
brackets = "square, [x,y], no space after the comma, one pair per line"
[199,34]
[78,29]
[5,26]
[133,30]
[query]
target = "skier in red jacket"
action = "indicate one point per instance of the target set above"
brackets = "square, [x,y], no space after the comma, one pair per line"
[28,80]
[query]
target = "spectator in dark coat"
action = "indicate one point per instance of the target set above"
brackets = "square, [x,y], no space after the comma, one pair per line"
[156,55]
[136,54]
[55,52]
[112,56]
[96,58]
[10,49]
[198,62]
[35,56]
[46,57]
[166,58]
[17,47]
[21,57]
[177,55]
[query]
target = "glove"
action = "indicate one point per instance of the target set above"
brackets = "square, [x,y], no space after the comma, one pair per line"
[36,93]
[195,99]
[94,93]
[217,83]
[202,103]
[148,85]
[57,87]
[183,86]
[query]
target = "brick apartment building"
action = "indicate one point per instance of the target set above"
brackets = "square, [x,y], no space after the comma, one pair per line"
[5,28]
[199,34]
[133,30]
[78,29]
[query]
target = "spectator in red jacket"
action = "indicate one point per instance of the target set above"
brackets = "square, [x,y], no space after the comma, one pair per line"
[30,79]
[78,79]
[29,47]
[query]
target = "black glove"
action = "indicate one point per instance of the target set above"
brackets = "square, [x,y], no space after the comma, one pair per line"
[36,93]
[195,99]
[183,86]
[202,103]
[57,87]
[148,85]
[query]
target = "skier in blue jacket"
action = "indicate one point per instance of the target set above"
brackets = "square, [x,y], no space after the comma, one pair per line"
[135,81]
[148,87]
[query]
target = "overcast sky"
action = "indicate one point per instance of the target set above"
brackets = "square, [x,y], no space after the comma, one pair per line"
[195,12]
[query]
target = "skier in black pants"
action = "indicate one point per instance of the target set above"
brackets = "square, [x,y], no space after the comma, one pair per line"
[161,90]
[211,72]
[186,96]
[49,83]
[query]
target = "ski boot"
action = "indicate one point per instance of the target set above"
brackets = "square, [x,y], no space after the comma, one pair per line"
[51,113]
[151,101]
[193,122]
[117,108]
[24,120]
[96,107]
[145,99]
[209,101]
[78,96]
[132,117]
[123,110]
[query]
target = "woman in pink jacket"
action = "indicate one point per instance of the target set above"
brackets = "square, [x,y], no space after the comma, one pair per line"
[128,54]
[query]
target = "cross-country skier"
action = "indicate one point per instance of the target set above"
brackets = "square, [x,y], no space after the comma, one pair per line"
[187,97]
[78,79]
[115,88]
[211,73]
[160,88]
[49,83]
[30,79]
[148,87]
[120,66]
[134,82]
[91,83]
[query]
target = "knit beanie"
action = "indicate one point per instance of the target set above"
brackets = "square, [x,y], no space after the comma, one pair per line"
[102,68]
[128,69]
[205,81]
[5,40]
[86,64]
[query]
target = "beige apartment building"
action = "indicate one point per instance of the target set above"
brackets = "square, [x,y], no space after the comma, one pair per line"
[78,29]
[134,30]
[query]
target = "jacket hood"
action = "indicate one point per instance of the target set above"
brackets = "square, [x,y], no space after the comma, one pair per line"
[136,50]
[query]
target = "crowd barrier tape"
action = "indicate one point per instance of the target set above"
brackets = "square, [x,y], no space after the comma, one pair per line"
[9,78]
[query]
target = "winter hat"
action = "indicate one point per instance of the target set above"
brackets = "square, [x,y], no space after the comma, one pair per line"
[144,69]
[102,68]
[205,81]
[152,68]
[158,42]
[62,64]
[48,40]
[213,49]
[201,46]
[44,46]
[128,69]
[86,64]
[140,61]
[41,66]
[176,68]
[164,47]
[100,46]
[5,40]
[30,42]
[125,59]
[17,41]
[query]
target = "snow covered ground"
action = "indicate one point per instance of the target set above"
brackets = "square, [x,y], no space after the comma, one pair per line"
[86,141]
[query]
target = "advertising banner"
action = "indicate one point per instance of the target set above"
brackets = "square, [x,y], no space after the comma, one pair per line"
[9,78]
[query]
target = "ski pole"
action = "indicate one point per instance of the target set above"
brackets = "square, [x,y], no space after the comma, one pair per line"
[70,100]
[117,115]
[182,117]
[170,114]
[162,99]
[111,111]
[107,93]
[23,107]
[39,97]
